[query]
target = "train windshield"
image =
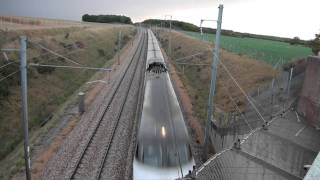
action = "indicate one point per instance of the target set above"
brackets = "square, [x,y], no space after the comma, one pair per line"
[163,155]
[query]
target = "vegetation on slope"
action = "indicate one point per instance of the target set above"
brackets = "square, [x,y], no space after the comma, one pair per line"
[184,26]
[106,19]
[48,88]
[249,72]
[272,52]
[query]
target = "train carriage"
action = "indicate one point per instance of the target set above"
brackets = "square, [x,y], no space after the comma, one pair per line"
[163,146]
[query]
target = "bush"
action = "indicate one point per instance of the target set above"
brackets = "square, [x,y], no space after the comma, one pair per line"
[315,44]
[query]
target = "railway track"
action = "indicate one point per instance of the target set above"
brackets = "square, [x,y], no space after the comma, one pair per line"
[93,156]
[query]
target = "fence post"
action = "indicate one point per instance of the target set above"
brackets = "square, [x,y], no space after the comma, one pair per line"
[289,81]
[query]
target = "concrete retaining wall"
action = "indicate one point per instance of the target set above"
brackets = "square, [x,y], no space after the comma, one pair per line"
[309,102]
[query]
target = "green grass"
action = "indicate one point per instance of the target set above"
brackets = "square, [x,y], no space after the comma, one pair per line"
[266,50]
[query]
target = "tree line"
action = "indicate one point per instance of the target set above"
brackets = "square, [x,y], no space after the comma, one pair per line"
[184,26]
[106,19]
[179,25]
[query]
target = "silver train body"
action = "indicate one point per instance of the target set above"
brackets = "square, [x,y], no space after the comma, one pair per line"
[163,145]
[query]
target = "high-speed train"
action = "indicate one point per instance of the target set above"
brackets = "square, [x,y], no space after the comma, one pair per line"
[163,147]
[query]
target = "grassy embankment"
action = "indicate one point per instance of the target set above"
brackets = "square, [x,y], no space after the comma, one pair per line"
[48,88]
[260,49]
[249,72]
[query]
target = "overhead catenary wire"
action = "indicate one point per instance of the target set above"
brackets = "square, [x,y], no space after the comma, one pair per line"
[62,49]
[8,76]
[190,56]
[69,53]
[55,53]
[47,53]
[6,65]
[65,48]
[70,67]
[191,64]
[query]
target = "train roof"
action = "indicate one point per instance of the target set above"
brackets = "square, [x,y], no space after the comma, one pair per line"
[161,114]
[154,51]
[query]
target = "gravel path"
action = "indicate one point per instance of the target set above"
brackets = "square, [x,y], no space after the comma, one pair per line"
[64,162]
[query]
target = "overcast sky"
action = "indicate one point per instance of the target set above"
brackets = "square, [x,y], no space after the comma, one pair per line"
[286,18]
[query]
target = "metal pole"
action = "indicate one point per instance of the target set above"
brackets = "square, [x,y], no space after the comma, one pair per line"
[24,103]
[289,82]
[214,66]
[170,43]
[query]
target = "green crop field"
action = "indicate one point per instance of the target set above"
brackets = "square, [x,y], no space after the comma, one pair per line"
[269,51]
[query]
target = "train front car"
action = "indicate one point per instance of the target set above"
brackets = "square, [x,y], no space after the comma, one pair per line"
[163,147]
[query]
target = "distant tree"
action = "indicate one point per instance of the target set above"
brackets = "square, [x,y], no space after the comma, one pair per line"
[315,44]
[295,40]
[106,19]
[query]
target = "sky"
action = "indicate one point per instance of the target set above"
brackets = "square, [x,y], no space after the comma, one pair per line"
[284,18]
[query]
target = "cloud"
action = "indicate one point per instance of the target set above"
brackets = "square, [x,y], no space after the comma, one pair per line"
[287,18]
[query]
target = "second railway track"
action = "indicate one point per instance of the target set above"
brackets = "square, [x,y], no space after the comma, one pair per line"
[93,157]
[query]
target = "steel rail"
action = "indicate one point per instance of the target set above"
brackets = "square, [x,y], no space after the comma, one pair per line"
[120,113]
[78,163]
[121,110]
